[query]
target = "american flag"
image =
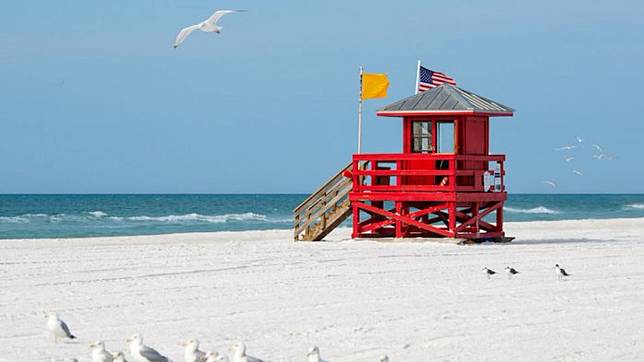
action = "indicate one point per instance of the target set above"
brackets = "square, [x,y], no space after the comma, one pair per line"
[429,79]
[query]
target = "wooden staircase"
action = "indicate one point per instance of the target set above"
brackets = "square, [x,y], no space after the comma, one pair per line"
[324,210]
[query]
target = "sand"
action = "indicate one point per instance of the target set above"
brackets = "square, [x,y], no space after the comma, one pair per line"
[354,299]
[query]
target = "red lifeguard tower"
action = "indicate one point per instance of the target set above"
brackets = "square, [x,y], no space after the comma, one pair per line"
[443,184]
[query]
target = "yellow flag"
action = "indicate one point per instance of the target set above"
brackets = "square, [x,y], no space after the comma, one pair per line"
[374,85]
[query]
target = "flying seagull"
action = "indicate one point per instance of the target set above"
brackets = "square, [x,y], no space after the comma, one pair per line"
[598,148]
[551,183]
[58,328]
[561,272]
[568,159]
[579,140]
[510,272]
[143,353]
[578,173]
[565,148]
[488,272]
[209,25]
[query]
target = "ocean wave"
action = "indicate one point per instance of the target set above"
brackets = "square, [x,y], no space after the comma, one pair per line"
[534,210]
[101,216]
[14,219]
[636,206]
[216,219]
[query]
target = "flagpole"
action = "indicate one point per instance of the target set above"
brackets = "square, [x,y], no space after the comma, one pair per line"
[360,114]
[417,77]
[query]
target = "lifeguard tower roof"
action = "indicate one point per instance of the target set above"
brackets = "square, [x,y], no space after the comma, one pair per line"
[445,99]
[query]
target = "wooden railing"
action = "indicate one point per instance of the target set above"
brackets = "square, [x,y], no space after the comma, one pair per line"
[434,172]
[325,209]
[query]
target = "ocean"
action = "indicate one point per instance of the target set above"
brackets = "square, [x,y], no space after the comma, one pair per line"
[54,216]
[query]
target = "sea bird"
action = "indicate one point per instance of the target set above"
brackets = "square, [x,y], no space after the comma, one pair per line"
[578,173]
[192,352]
[239,353]
[488,272]
[313,355]
[568,159]
[579,140]
[119,357]
[58,328]
[562,148]
[143,353]
[598,148]
[551,183]
[99,353]
[561,272]
[510,272]
[215,357]
[209,25]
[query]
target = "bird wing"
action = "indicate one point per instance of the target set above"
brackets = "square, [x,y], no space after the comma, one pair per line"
[152,355]
[65,329]
[214,18]
[183,34]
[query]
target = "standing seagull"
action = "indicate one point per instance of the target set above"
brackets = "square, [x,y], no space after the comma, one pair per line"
[119,357]
[192,352]
[239,353]
[143,353]
[99,353]
[314,355]
[383,358]
[215,357]
[510,272]
[58,328]
[488,272]
[209,25]
[561,272]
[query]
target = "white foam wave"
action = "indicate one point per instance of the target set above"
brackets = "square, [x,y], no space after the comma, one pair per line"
[248,216]
[534,210]
[14,219]
[97,214]
[636,206]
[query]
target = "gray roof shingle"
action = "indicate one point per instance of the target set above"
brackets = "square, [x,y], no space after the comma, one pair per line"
[446,98]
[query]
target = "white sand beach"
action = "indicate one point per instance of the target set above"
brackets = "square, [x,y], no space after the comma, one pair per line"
[354,299]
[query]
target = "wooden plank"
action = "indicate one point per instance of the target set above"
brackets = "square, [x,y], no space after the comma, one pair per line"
[324,186]
[403,219]
[377,225]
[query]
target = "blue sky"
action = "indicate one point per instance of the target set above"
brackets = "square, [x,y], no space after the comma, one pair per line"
[94,99]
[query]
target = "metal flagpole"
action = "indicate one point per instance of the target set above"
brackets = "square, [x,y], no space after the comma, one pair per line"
[360,114]
[417,77]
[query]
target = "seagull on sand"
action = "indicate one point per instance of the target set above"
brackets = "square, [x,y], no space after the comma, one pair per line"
[119,357]
[548,182]
[383,358]
[215,357]
[58,328]
[510,272]
[209,25]
[488,272]
[143,353]
[314,355]
[99,354]
[561,272]
[192,352]
[239,353]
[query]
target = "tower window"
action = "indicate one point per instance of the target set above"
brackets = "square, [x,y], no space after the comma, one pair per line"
[422,137]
